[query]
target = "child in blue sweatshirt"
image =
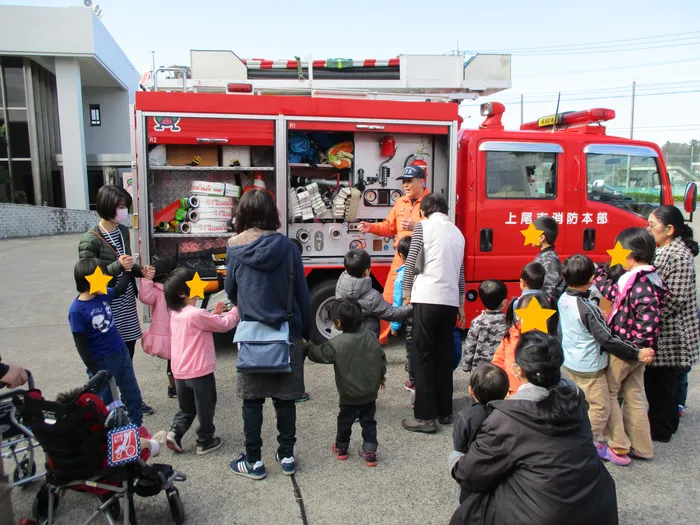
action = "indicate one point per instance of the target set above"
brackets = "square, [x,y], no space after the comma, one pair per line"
[402,249]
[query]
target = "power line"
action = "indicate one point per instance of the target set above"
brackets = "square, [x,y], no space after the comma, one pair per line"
[588,44]
[626,87]
[578,71]
[605,97]
[608,50]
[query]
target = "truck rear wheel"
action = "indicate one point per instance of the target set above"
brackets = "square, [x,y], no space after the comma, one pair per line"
[321,297]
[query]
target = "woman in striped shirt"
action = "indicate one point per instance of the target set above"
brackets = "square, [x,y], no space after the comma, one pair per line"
[109,241]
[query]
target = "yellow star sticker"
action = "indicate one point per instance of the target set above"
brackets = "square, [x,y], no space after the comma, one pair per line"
[534,317]
[619,254]
[532,235]
[98,281]
[196,286]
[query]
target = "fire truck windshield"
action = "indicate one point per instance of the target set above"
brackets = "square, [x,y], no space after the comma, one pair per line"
[628,181]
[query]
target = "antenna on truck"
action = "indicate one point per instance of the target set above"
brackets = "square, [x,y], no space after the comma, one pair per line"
[556,114]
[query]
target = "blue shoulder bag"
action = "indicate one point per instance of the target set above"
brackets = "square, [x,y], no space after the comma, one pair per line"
[263,348]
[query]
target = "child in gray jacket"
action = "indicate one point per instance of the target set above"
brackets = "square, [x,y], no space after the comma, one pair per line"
[356,283]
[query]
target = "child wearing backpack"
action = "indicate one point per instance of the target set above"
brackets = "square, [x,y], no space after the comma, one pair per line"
[156,340]
[194,361]
[635,317]
[587,341]
[360,372]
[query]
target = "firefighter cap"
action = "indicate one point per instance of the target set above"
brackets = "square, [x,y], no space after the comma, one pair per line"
[412,172]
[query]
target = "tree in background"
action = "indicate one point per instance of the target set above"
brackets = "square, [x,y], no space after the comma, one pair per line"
[680,154]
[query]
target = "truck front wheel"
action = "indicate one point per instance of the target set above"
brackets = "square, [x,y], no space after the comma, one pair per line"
[322,295]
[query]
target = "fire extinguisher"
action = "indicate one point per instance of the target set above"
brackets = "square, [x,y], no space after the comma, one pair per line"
[417,160]
[421,164]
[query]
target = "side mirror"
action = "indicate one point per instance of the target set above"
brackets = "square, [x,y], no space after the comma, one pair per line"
[690,201]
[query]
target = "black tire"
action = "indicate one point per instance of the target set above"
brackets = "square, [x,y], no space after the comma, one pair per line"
[23,470]
[176,509]
[40,507]
[321,294]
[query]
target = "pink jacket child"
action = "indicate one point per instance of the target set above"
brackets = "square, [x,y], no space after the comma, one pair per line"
[156,340]
[637,307]
[192,343]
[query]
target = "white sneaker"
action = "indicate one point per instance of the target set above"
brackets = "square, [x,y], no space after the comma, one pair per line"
[158,442]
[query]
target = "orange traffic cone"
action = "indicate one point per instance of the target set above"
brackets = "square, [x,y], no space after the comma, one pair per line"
[258,183]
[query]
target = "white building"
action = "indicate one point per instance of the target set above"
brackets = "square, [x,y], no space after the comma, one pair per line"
[65,90]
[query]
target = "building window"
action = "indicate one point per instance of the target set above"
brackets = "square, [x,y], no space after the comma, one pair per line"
[95,118]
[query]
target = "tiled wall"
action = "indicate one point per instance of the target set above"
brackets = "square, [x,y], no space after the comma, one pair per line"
[21,220]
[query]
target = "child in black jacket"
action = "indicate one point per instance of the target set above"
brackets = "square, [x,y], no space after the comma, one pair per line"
[360,371]
[487,383]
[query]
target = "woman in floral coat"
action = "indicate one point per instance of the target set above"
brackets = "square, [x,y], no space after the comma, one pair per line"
[678,345]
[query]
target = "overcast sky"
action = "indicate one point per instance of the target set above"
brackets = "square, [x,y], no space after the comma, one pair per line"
[587,50]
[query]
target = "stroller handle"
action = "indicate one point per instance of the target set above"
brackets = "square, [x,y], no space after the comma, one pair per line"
[96,381]
[30,386]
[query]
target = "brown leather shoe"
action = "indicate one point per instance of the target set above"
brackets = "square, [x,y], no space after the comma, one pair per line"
[426,426]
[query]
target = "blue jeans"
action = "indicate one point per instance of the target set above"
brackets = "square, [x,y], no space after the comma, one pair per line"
[123,371]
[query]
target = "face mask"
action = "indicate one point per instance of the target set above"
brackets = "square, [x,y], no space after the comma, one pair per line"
[122,216]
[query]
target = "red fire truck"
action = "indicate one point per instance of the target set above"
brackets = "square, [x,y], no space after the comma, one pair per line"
[328,138]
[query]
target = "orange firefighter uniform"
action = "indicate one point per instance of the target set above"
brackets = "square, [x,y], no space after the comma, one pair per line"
[391,227]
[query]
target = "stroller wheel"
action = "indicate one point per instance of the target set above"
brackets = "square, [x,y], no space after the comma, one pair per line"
[40,507]
[25,469]
[176,509]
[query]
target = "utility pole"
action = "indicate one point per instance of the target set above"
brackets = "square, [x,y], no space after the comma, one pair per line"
[521,109]
[634,88]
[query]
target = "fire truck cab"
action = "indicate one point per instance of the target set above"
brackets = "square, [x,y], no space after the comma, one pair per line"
[328,139]
[564,166]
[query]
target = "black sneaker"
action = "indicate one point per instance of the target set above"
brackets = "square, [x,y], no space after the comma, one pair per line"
[146,410]
[215,444]
[172,392]
[446,420]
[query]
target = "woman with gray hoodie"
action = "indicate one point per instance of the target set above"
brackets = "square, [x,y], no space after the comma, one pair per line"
[257,276]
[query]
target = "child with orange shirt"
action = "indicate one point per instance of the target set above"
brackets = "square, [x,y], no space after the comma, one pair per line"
[504,357]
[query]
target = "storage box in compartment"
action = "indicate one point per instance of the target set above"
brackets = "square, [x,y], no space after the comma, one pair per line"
[233,153]
[182,155]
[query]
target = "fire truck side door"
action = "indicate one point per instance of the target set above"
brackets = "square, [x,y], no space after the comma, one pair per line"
[516,182]
[620,184]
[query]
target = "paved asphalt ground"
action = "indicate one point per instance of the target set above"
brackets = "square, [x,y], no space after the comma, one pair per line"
[410,486]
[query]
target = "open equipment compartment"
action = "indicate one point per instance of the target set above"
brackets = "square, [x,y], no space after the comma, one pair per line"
[196,170]
[328,197]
